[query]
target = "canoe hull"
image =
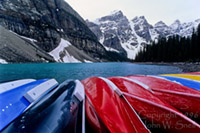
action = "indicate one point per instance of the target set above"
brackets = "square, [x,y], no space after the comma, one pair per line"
[13,102]
[181,97]
[152,110]
[58,111]
[186,82]
[111,109]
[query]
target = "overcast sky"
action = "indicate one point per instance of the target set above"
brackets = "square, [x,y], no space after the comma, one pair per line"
[153,10]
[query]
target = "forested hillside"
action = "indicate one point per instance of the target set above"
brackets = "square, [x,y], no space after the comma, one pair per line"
[172,49]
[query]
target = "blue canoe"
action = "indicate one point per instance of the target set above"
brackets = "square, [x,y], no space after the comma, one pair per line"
[16,96]
[61,110]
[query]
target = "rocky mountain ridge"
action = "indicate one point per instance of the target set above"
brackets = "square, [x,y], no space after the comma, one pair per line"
[48,22]
[127,37]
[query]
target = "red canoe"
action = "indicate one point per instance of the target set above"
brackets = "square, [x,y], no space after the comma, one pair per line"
[153,110]
[181,97]
[108,110]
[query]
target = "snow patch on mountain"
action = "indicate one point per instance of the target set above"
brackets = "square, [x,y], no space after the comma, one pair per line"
[131,50]
[27,38]
[87,61]
[101,40]
[140,40]
[30,39]
[154,34]
[2,61]
[111,49]
[69,59]
[61,50]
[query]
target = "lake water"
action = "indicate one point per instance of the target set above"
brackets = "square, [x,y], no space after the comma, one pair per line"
[63,71]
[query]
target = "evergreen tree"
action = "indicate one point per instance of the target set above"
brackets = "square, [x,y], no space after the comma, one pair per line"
[172,49]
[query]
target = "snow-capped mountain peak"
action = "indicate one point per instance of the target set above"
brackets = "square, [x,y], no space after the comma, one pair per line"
[127,37]
[162,29]
[115,16]
[177,22]
[197,21]
[176,26]
[139,20]
[115,12]
[160,24]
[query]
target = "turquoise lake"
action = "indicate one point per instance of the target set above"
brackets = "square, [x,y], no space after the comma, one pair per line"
[63,71]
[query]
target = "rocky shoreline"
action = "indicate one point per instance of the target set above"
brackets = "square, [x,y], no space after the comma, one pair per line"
[188,67]
[184,66]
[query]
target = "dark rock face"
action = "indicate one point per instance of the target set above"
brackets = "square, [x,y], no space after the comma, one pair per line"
[95,29]
[142,27]
[162,29]
[47,21]
[112,41]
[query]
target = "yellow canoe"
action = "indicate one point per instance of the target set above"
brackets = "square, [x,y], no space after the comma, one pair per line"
[193,77]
